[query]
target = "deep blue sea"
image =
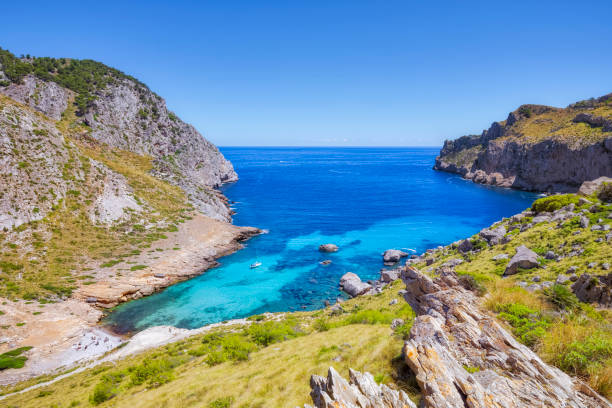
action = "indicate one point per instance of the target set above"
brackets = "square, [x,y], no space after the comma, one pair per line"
[365,200]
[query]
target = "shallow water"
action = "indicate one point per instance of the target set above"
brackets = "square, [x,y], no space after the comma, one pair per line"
[365,200]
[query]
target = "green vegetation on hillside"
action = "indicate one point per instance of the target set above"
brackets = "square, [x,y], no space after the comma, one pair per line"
[265,364]
[43,260]
[84,77]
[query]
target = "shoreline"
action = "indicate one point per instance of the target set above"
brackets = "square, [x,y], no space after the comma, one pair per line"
[69,332]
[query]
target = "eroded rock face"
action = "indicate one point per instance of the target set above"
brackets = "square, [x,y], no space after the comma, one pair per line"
[451,335]
[46,97]
[131,117]
[594,289]
[503,156]
[361,392]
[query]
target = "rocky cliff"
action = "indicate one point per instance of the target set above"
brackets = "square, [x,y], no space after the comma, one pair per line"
[537,148]
[123,113]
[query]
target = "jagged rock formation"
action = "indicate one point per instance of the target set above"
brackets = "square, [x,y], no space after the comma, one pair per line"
[362,392]
[451,336]
[461,358]
[538,148]
[124,113]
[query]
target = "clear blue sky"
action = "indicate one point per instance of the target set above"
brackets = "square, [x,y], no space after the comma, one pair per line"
[334,72]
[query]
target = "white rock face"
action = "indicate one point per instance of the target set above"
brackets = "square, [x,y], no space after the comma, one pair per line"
[46,97]
[115,201]
[352,284]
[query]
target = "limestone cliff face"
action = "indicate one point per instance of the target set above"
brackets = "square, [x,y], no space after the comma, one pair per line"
[537,148]
[131,117]
[125,114]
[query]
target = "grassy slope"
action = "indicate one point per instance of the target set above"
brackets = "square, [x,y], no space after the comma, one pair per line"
[51,254]
[274,375]
[557,125]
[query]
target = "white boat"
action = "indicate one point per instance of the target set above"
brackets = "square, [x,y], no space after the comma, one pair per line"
[255,265]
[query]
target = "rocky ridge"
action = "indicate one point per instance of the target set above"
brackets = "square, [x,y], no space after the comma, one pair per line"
[537,148]
[458,354]
[124,113]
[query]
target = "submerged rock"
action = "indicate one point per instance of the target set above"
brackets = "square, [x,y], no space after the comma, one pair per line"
[328,248]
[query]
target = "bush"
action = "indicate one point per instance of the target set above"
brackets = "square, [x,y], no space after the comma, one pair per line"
[527,324]
[581,354]
[370,316]
[107,388]
[553,203]
[267,333]
[562,297]
[154,372]
[13,358]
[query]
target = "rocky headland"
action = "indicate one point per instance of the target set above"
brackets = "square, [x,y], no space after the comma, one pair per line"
[537,148]
[107,196]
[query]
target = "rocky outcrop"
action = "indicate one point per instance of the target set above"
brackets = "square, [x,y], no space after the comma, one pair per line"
[463,358]
[524,258]
[45,97]
[589,187]
[594,289]
[361,392]
[328,248]
[352,284]
[537,148]
[392,256]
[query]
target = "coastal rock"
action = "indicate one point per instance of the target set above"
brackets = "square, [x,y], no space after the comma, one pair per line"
[493,236]
[352,284]
[325,262]
[465,246]
[389,276]
[328,248]
[451,333]
[392,256]
[361,392]
[499,257]
[524,258]
[584,222]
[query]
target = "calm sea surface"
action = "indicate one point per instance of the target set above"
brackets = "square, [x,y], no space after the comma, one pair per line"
[365,200]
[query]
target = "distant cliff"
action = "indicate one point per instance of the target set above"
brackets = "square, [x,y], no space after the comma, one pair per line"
[537,148]
[121,112]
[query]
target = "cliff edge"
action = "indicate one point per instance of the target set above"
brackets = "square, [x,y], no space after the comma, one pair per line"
[537,148]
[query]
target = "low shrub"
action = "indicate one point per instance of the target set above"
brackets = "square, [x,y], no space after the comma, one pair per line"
[13,358]
[224,402]
[370,316]
[267,333]
[553,203]
[562,297]
[528,325]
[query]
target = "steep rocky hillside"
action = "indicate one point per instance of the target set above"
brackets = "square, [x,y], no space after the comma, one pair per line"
[514,316]
[538,148]
[123,113]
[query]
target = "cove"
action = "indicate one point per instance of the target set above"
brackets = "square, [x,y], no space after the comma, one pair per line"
[365,200]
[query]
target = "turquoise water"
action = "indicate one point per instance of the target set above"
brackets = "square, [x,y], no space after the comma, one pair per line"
[365,200]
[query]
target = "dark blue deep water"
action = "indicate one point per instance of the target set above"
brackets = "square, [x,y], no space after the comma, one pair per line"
[365,200]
